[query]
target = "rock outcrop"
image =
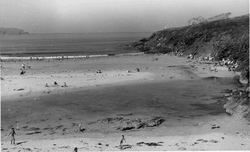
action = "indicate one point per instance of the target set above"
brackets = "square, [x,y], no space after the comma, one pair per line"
[125,124]
[12,31]
[238,103]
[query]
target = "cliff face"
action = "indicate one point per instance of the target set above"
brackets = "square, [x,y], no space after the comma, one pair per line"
[12,31]
[228,39]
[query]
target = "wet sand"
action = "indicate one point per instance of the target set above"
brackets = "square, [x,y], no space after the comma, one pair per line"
[184,94]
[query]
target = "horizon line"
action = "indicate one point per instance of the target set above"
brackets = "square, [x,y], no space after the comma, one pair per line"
[91,32]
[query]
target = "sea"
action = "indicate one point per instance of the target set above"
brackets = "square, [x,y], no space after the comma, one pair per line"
[76,44]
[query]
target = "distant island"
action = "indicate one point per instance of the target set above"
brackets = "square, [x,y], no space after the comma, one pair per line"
[12,31]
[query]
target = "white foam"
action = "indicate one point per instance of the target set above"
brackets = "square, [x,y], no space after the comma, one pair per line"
[5,58]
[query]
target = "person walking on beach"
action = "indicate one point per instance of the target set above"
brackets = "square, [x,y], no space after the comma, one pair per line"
[122,140]
[12,133]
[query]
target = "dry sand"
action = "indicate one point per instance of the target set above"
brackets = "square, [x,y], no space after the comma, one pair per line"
[185,93]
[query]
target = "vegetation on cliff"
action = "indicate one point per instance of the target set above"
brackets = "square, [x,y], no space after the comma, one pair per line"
[12,31]
[228,39]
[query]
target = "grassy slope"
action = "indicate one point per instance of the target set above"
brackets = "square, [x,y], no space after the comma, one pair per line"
[227,39]
[221,39]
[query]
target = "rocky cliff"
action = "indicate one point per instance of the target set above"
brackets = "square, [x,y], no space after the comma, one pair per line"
[224,39]
[238,103]
[12,31]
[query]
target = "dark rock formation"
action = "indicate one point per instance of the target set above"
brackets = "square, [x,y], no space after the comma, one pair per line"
[238,103]
[124,124]
[141,123]
[149,144]
[12,31]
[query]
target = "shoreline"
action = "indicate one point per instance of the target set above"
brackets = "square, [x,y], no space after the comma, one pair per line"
[185,94]
[62,57]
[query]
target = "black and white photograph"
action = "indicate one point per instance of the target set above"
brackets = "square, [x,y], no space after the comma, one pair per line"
[124,75]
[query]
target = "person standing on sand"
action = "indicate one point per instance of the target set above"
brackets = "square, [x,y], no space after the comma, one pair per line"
[22,72]
[75,149]
[80,127]
[23,66]
[28,66]
[12,133]
[65,85]
[122,140]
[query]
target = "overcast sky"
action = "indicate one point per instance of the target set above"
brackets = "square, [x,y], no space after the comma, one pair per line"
[74,16]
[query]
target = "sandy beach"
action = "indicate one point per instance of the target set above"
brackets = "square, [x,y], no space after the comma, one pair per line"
[171,103]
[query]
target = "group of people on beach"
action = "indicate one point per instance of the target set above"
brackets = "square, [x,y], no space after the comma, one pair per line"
[27,66]
[176,53]
[230,64]
[137,69]
[55,83]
